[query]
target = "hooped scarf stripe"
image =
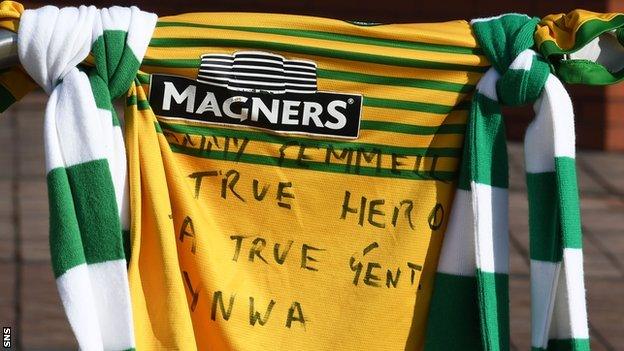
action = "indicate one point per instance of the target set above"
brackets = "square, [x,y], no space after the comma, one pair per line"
[475,256]
[85,158]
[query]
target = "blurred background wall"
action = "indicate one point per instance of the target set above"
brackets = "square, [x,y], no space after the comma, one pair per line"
[28,298]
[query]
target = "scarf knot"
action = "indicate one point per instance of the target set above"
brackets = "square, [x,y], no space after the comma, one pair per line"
[524,80]
[53,41]
[507,44]
[119,42]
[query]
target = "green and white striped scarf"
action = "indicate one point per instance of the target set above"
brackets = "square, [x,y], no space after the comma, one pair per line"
[470,305]
[85,158]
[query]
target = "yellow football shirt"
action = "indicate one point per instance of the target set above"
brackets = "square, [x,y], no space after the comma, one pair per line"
[258,223]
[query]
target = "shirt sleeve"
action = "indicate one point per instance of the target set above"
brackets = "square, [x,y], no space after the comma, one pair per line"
[583,47]
[14,81]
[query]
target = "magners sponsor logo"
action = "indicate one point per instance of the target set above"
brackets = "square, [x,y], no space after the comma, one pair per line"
[260,90]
